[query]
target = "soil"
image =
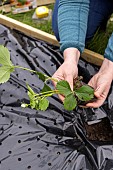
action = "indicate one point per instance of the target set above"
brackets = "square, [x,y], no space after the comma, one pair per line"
[101,131]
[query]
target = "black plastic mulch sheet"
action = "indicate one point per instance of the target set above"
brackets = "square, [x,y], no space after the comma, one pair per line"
[54,139]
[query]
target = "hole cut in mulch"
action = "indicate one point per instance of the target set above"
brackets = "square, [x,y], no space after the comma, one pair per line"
[101,131]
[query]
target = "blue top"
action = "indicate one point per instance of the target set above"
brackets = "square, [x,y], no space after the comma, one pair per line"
[72,25]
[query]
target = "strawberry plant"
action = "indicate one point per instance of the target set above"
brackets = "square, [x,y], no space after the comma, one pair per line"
[80,93]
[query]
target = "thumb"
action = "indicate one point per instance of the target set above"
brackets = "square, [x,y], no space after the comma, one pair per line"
[69,79]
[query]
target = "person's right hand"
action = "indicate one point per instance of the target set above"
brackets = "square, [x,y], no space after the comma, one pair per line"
[68,70]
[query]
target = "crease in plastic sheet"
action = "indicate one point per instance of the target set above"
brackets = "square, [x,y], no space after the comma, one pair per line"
[55,139]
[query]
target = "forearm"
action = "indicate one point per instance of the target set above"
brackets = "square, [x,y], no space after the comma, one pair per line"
[107,66]
[72,23]
[109,50]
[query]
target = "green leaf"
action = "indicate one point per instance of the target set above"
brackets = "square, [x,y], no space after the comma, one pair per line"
[85,93]
[37,104]
[43,104]
[30,95]
[63,87]
[7,67]
[5,72]
[46,88]
[32,104]
[5,56]
[70,102]
[41,76]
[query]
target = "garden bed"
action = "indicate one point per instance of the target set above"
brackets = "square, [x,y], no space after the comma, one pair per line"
[54,139]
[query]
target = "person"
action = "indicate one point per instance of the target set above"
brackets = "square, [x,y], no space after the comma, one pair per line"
[74,22]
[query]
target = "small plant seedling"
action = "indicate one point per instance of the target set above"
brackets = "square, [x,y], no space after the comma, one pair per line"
[39,101]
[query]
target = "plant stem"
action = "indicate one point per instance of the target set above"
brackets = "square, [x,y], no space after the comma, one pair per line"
[33,71]
[23,68]
[45,93]
[51,78]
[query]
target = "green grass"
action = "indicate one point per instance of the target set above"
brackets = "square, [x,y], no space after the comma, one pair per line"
[100,39]
[27,19]
[97,44]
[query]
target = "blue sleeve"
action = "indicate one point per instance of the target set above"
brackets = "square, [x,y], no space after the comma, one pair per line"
[109,49]
[72,23]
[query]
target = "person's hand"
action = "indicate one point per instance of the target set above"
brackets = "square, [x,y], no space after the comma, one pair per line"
[68,70]
[101,83]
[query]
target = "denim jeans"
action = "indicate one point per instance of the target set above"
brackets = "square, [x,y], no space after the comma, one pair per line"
[99,13]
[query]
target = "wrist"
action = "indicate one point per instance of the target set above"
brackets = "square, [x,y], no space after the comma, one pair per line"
[71,55]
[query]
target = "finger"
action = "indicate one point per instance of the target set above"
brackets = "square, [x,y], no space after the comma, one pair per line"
[96,104]
[54,83]
[69,79]
[92,84]
[61,97]
[100,100]
[57,78]
[99,91]
[101,95]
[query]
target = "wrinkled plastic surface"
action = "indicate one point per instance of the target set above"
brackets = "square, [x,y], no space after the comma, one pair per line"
[54,139]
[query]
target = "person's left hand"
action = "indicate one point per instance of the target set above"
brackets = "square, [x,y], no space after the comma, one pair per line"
[101,83]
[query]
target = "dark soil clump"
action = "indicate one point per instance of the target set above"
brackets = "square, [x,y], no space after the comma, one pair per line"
[101,131]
